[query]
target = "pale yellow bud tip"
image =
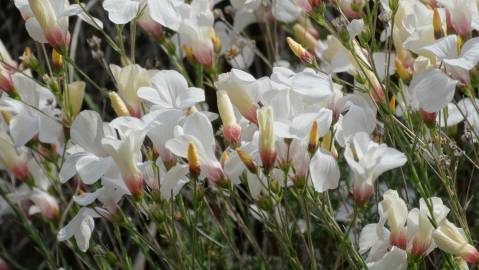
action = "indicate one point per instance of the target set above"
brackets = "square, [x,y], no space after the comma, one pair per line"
[118,104]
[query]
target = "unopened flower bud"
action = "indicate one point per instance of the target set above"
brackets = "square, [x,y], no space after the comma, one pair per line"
[313,138]
[46,17]
[10,158]
[57,60]
[402,71]
[304,37]
[150,26]
[306,57]
[267,138]
[118,105]
[73,101]
[6,117]
[247,161]
[46,203]
[193,160]
[396,210]
[450,239]
[231,130]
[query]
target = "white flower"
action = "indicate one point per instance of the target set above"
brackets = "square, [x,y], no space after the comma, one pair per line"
[394,209]
[239,52]
[47,20]
[87,157]
[81,227]
[169,90]
[419,227]
[197,129]
[35,114]
[367,161]
[242,88]
[431,91]
[126,154]
[452,239]
[396,259]
[129,80]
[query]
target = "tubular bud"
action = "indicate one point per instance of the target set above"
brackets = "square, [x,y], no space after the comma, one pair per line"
[231,130]
[266,138]
[306,57]
[118,105]
[402,71]
[313,138]
[73,101]
[247,161]
[304,36]
[46,17]
[10,158]
[193,160]
[450,239]
[57,60]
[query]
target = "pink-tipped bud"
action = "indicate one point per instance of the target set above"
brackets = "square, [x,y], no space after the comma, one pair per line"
[6,83]
[231,130]
[299,51]
[11,159]
[47,18]
[150,26]
[267,138]
[45,203]
[450,239]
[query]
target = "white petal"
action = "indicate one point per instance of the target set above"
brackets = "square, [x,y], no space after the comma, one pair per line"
[324,171]
[90,168]
[432,90]
[23,127]
[165,12]
[35,30]
[121,11]
[87,131]
[173,181]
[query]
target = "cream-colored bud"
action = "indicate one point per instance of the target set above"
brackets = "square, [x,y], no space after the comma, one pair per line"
[73,101]
[267,138]
[118,105]
[450,239]
[225,108]
[304,37]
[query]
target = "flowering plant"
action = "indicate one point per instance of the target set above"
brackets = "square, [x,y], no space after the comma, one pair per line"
[241,134]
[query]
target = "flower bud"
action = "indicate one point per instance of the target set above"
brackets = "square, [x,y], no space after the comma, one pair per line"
[352,9]
[306,57]
[3,265]
[46,17]
[231,130]
[266,138]
[57,60]
[150,26]
[247,161]
[46,203]
[450,239]
[193,160]
[402,71]
[362,64]
[6,83]
[10,158]
[304,37]
[313,138]
[73,101]
[6,117]
[118,105]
